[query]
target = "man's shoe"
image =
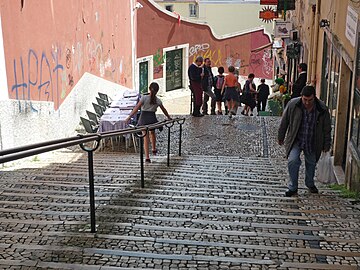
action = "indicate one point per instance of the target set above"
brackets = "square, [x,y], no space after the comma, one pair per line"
[198,115]
[213,113]
[314,190]
[205,113]
[290,193]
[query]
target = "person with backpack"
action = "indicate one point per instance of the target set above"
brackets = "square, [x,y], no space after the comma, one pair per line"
[219,82]
[229,90]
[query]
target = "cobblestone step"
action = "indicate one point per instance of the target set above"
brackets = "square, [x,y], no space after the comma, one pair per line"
[203,212]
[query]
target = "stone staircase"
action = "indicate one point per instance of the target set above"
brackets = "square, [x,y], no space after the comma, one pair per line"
[202,212]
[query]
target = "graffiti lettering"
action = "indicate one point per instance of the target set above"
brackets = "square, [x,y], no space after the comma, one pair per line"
[215,56]
[267,63]
[261,64]
[196,49]
[38,84]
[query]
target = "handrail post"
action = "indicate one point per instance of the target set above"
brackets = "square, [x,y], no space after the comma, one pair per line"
[169,125]
[142,161]
[141,138]
[180,122]
[180,138]
[91,191]
[90,152]
[168,148]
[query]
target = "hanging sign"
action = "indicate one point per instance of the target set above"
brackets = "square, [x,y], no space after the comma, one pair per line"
[268,14]
[282,28]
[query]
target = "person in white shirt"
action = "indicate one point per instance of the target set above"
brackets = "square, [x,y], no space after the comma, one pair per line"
[149,104]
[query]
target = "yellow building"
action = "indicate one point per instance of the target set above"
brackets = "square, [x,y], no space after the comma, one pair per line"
[223,16]
[329,44]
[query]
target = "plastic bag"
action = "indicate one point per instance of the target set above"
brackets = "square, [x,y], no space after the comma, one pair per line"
[325,172]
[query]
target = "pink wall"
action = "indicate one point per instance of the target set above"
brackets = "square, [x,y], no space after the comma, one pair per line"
[157,30]
[49,44]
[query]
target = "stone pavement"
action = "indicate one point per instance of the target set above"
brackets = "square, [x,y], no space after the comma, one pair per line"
[219,206]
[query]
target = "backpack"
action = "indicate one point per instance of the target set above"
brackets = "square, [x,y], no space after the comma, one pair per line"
[219,82]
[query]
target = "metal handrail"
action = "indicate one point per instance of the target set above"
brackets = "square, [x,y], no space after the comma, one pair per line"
[39,148]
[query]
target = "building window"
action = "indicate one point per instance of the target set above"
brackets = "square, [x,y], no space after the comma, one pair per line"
[174,69]
[193,10]
[169,8]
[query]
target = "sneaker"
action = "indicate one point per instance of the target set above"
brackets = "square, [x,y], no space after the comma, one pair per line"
[314,190]
[290,193]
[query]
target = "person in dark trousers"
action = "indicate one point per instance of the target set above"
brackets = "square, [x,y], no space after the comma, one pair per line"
[262,95]
[300,82]
[306,124]
[207,82]
[194,73]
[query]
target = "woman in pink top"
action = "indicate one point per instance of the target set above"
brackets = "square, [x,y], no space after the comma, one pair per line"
[229,90]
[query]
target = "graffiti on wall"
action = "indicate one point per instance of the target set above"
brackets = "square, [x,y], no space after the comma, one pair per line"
[205,51]
[102,61]
[215,55]
[37,77]
[158,61]
[261,63]
[42,76]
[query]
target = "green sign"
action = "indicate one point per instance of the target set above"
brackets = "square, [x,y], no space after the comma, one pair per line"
[174,69]
[143,77]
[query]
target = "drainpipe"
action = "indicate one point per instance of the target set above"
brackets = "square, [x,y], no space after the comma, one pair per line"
[315,45]
[311,47]
[133,41]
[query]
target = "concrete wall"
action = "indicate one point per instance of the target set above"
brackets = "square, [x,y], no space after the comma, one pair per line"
[49,45]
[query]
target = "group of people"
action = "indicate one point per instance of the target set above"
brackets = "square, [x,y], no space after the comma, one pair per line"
[220,88]
[305,126]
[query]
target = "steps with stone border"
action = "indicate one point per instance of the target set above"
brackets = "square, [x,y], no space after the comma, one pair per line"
[202,212]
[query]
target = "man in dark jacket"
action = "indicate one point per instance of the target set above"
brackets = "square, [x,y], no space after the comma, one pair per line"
[263,93]
[195,77]
[300,82]
[306,124]
[207,83]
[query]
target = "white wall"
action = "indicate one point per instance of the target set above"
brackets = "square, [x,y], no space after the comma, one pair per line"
[28,122]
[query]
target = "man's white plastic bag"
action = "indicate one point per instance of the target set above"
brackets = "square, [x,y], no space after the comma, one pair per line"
[325,171]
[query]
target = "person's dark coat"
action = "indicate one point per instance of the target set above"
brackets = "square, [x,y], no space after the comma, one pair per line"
[207,81]
[299,85]
[263,92]
[291,122]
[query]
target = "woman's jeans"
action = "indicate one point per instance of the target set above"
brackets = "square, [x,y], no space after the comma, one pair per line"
[294,163]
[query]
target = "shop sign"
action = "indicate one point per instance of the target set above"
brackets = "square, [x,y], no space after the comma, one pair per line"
[268,14]
[282,28]
[351,25]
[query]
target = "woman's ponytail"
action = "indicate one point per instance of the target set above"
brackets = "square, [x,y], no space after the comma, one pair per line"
[154,88]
